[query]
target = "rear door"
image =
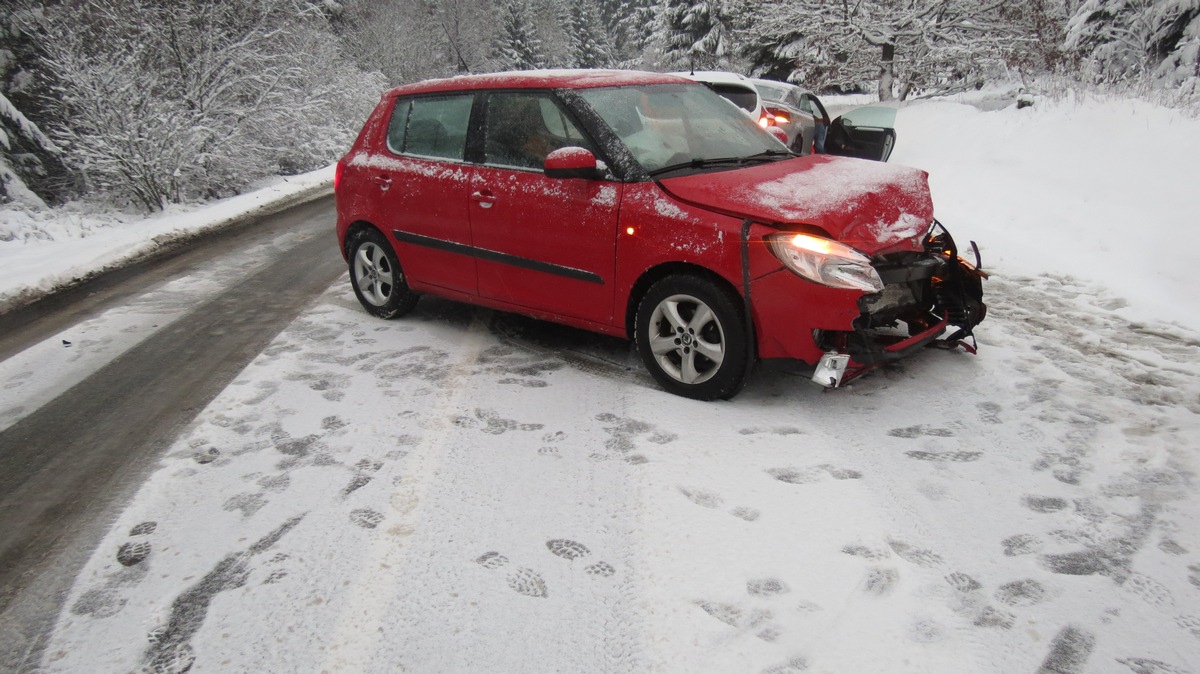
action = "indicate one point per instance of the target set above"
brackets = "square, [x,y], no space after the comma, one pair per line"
[423,185]
[866,133]
[542,243]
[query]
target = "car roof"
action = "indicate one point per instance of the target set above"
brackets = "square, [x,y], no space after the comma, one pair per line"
[719,77]
[778,84]
[539,79]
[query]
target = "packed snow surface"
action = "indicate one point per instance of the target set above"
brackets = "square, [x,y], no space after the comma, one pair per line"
[462,491]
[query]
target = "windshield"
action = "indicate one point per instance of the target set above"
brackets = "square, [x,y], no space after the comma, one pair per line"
[740,96]
[668,124]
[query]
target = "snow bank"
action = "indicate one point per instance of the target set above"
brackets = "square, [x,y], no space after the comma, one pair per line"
[46,250]
[1089,187]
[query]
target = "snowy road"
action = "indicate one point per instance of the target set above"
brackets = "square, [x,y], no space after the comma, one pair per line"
[463,490]
[96,397]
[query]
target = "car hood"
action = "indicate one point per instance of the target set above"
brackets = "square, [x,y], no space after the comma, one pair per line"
[869,205]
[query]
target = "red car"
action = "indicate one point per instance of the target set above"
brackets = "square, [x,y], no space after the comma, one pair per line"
[644,206]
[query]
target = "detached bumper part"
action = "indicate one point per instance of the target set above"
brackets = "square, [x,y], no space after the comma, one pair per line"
[830,369]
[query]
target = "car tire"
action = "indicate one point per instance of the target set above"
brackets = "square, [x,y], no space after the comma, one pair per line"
[376,276]
[692,337]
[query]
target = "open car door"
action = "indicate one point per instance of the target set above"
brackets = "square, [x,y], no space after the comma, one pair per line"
[866,133]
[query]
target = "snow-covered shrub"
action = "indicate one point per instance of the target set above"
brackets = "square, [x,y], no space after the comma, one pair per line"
[196,99]
[1130,40]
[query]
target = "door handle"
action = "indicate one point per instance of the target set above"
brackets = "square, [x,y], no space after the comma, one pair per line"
[384,181]
[485,199]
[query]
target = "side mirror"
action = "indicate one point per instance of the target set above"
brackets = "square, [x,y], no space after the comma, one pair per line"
[780,134]
[572,162]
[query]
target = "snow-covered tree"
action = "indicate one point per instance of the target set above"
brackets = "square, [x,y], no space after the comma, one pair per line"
[700,34]
[517,44]
[410,40]
[631,24]
[31,170]
[1130,39]
[166,102]
[901,44]
[589,43]
[20,143]
[1175,35]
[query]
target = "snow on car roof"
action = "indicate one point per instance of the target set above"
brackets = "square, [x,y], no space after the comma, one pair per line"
[714,76]
[539,79]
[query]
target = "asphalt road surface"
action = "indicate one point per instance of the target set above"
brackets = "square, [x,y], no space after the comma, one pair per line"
[67,466]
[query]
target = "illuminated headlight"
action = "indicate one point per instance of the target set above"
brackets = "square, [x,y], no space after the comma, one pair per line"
[825,261]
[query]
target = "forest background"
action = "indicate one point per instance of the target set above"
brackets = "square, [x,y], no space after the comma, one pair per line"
[138,104]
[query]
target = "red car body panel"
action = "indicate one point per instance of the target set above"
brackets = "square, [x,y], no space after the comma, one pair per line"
[571,224]
[579,251]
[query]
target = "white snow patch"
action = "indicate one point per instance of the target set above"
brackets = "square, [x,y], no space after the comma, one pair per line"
[45,249]
[830,186]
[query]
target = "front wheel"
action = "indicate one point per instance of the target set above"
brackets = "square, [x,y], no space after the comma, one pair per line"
[376,276]
[692,338]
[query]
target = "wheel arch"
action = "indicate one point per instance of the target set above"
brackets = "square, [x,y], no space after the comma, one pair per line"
[662,271]
[352,229]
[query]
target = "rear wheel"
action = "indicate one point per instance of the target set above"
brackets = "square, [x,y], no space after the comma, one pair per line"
[376,276]
[692,338]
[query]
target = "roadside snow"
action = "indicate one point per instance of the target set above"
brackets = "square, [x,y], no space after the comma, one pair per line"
[42,250]
[1091,187]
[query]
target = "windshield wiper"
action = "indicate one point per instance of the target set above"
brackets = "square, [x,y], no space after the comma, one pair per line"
[721,161]
[772,153]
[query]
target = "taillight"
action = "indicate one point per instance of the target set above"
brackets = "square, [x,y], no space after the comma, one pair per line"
[337,175]
[774,116]
[765,121]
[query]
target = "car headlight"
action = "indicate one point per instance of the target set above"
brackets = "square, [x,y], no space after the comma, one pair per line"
[825,261]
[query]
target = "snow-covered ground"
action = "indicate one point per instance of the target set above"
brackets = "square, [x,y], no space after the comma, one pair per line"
[462,490]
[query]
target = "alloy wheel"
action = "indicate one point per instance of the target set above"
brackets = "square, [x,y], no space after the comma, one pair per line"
[373,274]
[687,339]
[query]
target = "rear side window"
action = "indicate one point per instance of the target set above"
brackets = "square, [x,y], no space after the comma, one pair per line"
[431,126]
[740,96]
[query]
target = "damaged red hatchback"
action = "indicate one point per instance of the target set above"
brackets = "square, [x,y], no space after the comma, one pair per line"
[645,206]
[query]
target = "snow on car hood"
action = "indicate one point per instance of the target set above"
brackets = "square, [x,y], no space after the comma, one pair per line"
[869,205]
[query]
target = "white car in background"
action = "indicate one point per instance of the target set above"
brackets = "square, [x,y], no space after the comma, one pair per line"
[797,111]
[737,89]
[865,132]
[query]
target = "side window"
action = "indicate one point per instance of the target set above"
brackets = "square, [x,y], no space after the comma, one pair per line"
[524,127]
[435,127]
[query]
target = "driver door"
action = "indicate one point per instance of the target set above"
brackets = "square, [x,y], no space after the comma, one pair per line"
[546,244]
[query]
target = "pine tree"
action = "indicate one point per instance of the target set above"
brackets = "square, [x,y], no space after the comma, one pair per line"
[699,34]
[589,43]
[517,45]
[631,24]
[1175,42]
[1129,39]
[31,169]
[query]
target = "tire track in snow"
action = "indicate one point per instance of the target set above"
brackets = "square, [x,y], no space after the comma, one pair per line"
[353,648]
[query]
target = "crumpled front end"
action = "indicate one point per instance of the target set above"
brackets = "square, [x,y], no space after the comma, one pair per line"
[929,298]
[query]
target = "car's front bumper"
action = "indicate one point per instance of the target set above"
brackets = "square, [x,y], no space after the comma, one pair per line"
[933,297]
